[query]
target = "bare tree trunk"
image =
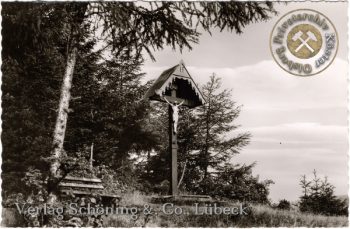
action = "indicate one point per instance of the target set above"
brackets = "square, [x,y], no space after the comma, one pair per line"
[61,123]
[182,175]
[91,156]
[148,161]
[77,15]
[206,152]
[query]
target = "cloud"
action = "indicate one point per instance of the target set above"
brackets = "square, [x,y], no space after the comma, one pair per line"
[302,132]
[266,85]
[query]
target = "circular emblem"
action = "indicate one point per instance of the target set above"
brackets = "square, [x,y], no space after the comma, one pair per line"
[304,42]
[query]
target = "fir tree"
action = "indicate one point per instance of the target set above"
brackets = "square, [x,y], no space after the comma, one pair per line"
[318,197]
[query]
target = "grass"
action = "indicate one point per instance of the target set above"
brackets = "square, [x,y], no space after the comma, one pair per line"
[258,216]
[134,198]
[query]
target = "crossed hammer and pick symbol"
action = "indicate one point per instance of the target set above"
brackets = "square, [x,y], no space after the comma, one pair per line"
[310,36]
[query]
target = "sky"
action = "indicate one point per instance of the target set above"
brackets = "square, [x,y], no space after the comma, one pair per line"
[297,123]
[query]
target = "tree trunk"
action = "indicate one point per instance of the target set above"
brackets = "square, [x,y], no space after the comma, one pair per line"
[77,15]
[61,124]
[182,175]
[91,156]
[148,162]
[206,151]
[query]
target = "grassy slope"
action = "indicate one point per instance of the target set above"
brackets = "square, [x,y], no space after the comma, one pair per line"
[260,216]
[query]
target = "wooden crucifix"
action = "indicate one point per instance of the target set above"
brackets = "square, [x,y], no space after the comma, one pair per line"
[173,113]
[176,87]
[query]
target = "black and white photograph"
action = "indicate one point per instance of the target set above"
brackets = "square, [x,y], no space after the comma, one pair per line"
[172,114]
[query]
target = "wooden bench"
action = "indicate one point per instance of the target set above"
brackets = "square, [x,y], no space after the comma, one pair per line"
[82,186]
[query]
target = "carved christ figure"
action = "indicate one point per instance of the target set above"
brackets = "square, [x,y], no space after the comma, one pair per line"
[175,109]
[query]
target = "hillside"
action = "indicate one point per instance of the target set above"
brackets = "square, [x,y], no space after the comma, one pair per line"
[261,216]
[258,216]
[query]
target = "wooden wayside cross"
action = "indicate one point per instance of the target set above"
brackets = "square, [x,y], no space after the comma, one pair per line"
[176,87]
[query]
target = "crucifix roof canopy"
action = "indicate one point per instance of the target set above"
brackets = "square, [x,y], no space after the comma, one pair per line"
[176,78]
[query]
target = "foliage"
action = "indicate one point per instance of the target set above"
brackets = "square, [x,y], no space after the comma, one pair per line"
[113,118]
[31,80]
[318,197]
[236,183]
[284,204]
[215,125]
[32,65]
[129,28]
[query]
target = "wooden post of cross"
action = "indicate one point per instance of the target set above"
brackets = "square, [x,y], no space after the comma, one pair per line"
[173,147]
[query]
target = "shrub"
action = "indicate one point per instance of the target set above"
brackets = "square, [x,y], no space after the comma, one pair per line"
[284,204]
[318,197]
[235,183]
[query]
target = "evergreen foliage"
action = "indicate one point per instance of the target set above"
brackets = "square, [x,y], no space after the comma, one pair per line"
[318,197]
[31,77]
[284,205]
